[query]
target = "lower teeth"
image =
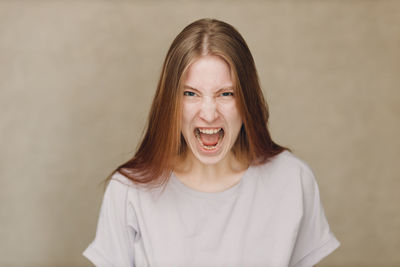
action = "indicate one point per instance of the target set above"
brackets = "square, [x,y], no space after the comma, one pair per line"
[204,146]
[207,147]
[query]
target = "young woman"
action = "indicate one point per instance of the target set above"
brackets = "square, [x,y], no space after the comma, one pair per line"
[208,186]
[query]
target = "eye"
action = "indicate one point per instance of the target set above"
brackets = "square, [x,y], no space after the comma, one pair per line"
[227,94]
[189,93]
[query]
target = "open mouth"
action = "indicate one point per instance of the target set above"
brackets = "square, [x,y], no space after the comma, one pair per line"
[209,139]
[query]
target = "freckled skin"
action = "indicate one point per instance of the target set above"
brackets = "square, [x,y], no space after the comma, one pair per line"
[209,102]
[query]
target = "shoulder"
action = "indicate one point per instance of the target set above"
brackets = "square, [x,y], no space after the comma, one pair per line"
[285,163]
[121,180]
[116,189]
[287,169]
[120,186]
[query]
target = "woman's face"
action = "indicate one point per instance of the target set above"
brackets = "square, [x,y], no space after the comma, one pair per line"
[210,118]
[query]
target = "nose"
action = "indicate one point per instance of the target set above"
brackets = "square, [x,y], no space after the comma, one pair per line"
[208,110]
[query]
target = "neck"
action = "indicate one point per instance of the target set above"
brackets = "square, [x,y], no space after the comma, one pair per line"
[200,173]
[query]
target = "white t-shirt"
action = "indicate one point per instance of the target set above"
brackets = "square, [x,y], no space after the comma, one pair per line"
[272,217]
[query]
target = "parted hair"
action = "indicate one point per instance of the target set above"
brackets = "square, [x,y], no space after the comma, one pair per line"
[163,144]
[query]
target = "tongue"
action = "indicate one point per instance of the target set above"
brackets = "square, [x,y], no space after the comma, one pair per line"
[209,139]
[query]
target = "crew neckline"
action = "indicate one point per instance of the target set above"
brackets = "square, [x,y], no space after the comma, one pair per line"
[210,195]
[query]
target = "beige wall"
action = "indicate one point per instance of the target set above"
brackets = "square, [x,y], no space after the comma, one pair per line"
[76,79]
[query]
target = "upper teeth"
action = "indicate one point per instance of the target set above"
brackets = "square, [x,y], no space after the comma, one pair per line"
[210,131]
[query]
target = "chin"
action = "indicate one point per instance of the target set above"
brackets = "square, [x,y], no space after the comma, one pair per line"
[209,160]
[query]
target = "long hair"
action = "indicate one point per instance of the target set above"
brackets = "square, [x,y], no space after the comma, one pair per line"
[163,143]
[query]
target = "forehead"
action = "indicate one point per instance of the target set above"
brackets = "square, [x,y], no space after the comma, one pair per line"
[208,73]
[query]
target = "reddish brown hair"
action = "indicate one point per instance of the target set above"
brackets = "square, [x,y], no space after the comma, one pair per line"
[163,144]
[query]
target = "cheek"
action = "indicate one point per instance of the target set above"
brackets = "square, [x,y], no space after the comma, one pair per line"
[188,113]
[230,112]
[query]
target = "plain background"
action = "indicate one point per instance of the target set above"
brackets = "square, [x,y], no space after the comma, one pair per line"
[77,79]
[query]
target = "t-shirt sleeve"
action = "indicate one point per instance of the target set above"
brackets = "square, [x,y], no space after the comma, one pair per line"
[315,239]
[115,234]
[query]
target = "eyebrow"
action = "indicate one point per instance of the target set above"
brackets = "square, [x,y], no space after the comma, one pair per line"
[189,87]
[221,89]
